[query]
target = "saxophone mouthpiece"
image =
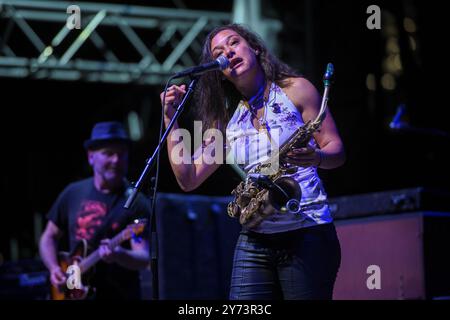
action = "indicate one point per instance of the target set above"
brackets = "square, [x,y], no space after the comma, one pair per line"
[329,73]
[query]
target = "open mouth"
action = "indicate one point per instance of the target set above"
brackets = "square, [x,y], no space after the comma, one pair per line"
[235,63]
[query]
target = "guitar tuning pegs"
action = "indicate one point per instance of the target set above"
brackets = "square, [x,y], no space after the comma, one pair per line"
[136,238]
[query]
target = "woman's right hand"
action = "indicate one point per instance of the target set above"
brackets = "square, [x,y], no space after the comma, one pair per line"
[174,97]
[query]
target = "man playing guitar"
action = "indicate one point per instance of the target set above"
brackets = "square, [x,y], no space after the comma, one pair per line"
[91,212]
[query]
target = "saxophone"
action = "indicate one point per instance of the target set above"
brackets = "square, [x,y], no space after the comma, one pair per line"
[265,191]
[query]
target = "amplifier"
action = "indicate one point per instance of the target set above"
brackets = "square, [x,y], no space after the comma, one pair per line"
[389,202]
[24,280]
[404,254]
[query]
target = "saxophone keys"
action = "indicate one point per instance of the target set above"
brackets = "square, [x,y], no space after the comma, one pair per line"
[233,209]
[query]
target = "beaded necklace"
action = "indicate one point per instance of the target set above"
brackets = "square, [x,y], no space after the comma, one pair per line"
[260,98]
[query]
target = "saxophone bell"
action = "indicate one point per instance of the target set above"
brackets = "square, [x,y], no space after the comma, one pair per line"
[285,195]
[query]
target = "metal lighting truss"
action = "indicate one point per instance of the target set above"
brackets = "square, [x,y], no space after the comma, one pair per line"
[36,43]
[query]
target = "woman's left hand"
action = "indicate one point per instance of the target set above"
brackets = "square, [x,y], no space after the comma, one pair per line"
[303,157]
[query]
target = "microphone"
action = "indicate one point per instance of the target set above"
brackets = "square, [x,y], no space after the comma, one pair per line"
[220,63]
[396,123]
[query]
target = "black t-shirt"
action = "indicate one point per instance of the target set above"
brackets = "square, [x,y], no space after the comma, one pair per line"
[80,212]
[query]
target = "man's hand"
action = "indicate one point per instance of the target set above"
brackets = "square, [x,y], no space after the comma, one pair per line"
[57,277]
[106,253]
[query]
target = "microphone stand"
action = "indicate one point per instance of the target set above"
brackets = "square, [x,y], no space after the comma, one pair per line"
[433,132]
[139,183]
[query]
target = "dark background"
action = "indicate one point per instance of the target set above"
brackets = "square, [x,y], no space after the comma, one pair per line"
[44,123]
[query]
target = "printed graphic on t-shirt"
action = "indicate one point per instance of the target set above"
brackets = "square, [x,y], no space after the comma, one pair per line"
[89,218]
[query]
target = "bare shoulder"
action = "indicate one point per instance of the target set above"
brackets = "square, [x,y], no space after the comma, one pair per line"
[302,93]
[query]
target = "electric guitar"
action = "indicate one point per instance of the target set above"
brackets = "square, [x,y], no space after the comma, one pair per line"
[78,257]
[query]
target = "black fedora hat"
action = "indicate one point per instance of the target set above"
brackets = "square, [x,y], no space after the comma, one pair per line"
[105,133]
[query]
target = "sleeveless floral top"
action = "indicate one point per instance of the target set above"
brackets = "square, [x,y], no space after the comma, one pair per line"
[248,147]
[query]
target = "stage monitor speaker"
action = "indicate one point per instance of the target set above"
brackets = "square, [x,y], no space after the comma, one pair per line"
[196,246]
[410,250]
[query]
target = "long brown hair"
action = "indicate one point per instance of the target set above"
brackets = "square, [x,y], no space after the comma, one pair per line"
[217,97]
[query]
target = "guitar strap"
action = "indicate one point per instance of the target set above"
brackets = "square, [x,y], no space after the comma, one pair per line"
[116,214]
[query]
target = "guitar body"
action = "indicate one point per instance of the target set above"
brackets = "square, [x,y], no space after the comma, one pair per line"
[66,259]
[79,257]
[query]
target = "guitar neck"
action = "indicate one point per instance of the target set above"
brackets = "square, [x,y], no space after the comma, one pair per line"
[94,257]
